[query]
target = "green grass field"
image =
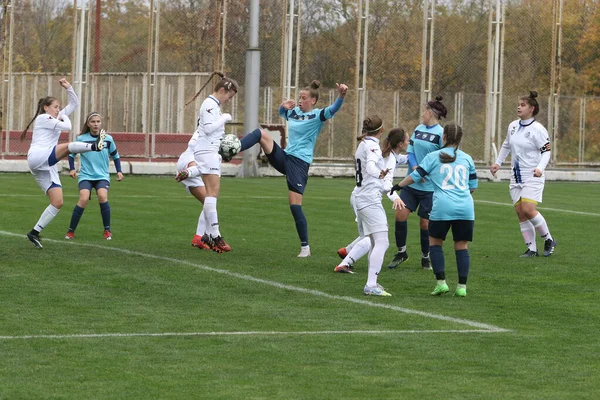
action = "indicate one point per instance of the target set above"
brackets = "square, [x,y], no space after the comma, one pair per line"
[146,315]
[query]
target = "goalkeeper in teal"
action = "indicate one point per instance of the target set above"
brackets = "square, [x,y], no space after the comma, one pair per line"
[94,174]
[304,125]
[453,176]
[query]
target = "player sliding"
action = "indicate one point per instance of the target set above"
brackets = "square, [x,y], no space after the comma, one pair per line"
[44,152]
[304,125]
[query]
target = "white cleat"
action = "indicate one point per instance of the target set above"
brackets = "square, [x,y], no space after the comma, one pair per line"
[304,252]
[100,140]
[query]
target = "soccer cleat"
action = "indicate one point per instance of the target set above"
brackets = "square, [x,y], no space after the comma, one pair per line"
[199,243]
[107,235]
[219,245]
[181,175]
[549,246]
[70,235]
[376,290]
[304,252]
[399,258]
[426,263]
[342,253]
[440,290]
[345,269]
[529,253]
[100,140]
[460,292]
[35,239]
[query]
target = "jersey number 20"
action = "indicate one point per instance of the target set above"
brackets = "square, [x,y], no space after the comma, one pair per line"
[460,175]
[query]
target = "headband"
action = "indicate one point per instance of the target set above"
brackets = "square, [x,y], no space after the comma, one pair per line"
[93,114]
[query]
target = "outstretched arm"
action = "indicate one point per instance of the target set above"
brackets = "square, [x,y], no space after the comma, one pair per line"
[73,99]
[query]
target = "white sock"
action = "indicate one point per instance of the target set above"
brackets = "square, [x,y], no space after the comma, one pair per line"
[424,255]
[402,249]
[528,232]
[380,243]
[360,248]
[539,222]
[193,171]
[441,282]
[461,286]
[79,147]
[201,228]
[354,242]
[47,216]
[210,208]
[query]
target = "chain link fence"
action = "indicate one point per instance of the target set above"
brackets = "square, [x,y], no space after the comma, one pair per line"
[138,62]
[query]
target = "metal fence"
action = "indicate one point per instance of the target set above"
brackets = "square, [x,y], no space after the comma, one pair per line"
[138,62]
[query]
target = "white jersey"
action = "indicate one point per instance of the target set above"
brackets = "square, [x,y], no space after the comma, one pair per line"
[369,163]
[46,128]
[210,129]
[529,145]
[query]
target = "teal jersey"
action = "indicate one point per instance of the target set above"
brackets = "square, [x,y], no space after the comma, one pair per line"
[94,164]
[452,184]
[423,141]
[303,129]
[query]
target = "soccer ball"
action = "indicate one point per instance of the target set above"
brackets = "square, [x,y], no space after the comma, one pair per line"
[230,146]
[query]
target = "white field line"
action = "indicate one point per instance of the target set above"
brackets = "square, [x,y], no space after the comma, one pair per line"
[496,203]
[279,285]
[249,333]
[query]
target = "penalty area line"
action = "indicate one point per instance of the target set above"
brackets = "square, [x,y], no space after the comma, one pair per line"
[473,324]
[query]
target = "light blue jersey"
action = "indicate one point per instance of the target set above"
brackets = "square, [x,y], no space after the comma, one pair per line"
[303,129]
[94,164]
[423,141]
[452,184]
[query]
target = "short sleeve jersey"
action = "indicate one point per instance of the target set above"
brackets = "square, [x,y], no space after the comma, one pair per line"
[303,130]
[423,141]
[94,164]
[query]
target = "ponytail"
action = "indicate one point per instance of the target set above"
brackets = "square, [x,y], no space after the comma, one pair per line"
[205,84]
[371,126]
[452,137]
[395,137]
[313,89]
[45,101]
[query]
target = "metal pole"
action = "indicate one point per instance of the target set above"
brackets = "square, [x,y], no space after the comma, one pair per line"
[97,36]
[218,44]
[501,82]
[298,50]
[558,84]
[10,96]
[148,83]
[431,36]
[283,63]
[224,37]
[357,122]
[78,77]
[250,166]
[288,77]
[363,99]
[424,52]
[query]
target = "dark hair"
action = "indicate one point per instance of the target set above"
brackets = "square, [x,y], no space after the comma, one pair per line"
[85,128]
[313,89]
[205,84]
[371,125]
[228,84]
[453,135]
[395,137]
[44,102]
[531,100]
[437,107]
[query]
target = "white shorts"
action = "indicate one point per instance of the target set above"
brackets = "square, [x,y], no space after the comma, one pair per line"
[353,204]
[208,163]
[531,190]
[44,174]
[184,159]
[372,219]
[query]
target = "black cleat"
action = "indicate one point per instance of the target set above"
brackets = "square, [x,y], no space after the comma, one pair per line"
[426,263]
[549,246]
[35,239]
[399,258]
[529,253]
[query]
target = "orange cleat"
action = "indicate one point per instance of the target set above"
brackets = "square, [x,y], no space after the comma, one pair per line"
[70,235]
[107,235]
[181,175]
[345,269]
[219,245]
[199,243]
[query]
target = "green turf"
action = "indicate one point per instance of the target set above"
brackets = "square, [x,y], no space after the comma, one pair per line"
[149,279]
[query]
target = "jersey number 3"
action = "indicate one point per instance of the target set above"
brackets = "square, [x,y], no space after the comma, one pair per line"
[460,175]
[359,176]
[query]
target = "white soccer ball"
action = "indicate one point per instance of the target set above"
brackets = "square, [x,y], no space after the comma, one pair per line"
[230,146]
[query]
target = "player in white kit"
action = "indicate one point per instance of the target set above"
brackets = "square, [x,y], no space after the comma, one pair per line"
[44,152]
[529,145]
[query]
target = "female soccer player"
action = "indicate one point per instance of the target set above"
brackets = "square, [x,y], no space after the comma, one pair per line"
[426,138]
[94,174]
[395,142]
[528,142]
[45,152]
[304,125]
[453,176]
[210,131]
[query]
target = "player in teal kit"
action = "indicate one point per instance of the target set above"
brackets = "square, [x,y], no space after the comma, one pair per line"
[94,174]
[426,138]
[304,125]
[453,176]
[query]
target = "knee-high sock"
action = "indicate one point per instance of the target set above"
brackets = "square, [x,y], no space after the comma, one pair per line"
[77,213]
[528,232]
[400,232]
[210,208]
[539,222]
[301,224]
[250,139]
[201,227]
[47,216]
[354,242]
[380,244]
[193,171]
[105,212]
[463,262]
[358,251]
[80,147]
[425,242]
[437,262]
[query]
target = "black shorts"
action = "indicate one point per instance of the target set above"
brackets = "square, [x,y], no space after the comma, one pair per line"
[294,169]
[462,230]
[414,198]
[89,185]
